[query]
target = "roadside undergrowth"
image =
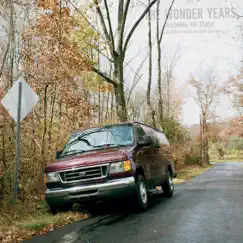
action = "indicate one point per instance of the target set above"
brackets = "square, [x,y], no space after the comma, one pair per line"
[23,223]
[190,172]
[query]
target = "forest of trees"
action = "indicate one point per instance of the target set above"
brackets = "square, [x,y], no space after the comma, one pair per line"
[59,50]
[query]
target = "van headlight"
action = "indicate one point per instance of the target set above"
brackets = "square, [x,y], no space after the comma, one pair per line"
[52,177]
[119,167]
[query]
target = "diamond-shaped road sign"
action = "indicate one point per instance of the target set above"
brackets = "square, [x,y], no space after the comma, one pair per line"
[28,101]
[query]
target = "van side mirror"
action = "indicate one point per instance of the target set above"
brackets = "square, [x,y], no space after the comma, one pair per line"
[58,154]
[145,141]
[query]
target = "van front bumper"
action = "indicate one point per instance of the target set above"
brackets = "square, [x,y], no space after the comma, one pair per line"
[112,189]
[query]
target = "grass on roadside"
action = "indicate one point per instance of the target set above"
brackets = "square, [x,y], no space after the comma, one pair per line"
[16,229]
[189,173]
[50,221]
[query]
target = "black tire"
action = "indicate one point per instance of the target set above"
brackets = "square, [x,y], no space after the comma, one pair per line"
[64,208]
[53,210]
[168,186]
[94,209]
[141,194]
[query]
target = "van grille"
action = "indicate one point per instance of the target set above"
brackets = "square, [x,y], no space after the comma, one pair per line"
[84,174]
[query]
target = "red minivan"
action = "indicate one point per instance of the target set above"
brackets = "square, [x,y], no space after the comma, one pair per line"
[119,160]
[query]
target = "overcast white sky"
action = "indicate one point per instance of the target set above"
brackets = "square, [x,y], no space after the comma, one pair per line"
[218,49]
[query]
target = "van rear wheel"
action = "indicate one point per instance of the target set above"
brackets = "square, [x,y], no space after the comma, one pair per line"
[168,186]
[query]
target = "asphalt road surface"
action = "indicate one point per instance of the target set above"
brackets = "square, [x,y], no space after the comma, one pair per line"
[206,209]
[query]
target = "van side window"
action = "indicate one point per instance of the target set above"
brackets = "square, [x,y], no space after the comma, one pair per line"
[140,133]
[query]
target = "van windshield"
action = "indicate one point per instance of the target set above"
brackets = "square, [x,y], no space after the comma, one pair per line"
[99,138]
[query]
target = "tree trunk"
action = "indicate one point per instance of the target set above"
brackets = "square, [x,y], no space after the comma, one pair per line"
[204,145]
[43,150]
[112,107]
[43,145]
[103,107]
[12,44]
[74,119]
[53,102]
[120,103]
[151,112]
[160,100]
[99,102]
[121,108]
[3,145]
[59,122]
[168,97]
[201,149]
[107,106]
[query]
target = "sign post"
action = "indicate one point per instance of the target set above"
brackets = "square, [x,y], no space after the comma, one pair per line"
[18,141]
[19,101]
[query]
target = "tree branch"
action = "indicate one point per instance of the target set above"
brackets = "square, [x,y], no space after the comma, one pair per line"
[108,37]
[137,78]
[103,54]
[109,22]
[136,25]
[104,76]
[166,19]
[237,15]
[69,1]
[120,12]
[4,58]
[123,22]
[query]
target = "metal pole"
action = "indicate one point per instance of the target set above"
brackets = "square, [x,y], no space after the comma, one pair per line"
[18,141]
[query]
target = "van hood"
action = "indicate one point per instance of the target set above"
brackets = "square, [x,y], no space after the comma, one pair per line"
[96,157]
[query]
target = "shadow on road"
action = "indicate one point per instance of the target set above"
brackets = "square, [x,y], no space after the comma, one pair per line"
[118,210]
[122,206]
[109,213]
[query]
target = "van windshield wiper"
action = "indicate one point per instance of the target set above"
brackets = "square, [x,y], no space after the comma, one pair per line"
[73,152]
[109,145]
[80,138]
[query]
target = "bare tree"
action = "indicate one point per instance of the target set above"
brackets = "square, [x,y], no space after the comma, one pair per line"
[118,49]
[151,111]
[168,67]
[12,23]
[137,108]
[207,90]
[159,38]
[235,91]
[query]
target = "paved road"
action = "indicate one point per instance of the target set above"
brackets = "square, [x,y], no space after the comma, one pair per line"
[208,209]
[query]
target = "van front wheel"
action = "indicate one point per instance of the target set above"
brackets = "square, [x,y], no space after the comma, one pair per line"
[65,208]
[141,194]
